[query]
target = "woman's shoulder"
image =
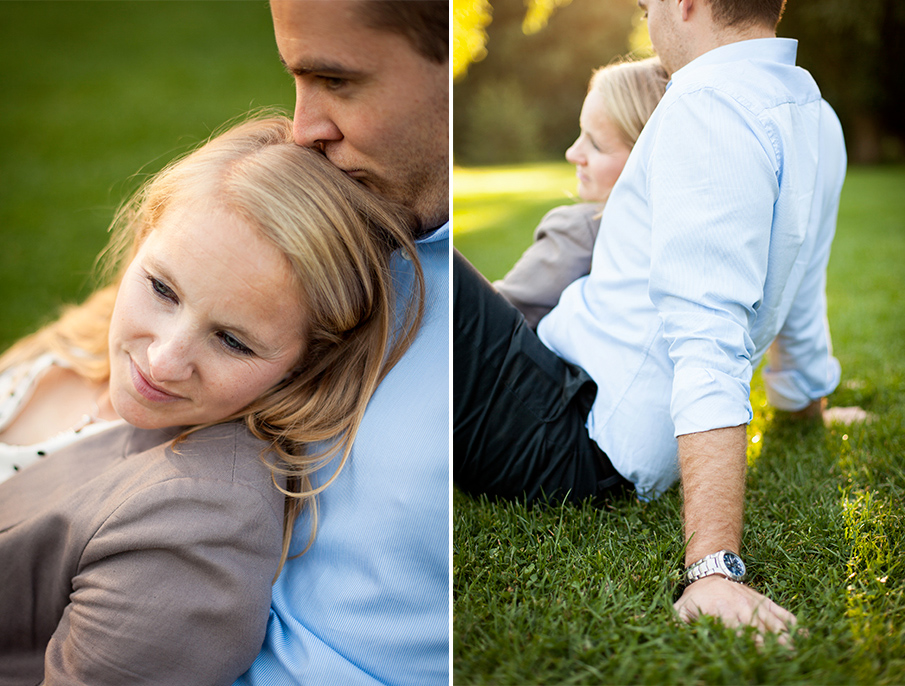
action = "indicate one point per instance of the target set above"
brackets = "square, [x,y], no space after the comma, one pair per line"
[577,222]
[573,216]
[219,454]
[101,473]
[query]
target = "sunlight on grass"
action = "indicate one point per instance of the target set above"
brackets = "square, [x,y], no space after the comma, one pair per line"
[865,529]
[763,413]
[483,197]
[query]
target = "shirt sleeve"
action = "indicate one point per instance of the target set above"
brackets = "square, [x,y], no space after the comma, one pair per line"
[800,363]
[712,184]
[174,588]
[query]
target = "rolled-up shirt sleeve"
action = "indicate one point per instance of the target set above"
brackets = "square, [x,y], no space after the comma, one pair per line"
[712,200]
[801,367]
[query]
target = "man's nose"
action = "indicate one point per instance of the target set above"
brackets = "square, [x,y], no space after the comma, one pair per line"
[312,125]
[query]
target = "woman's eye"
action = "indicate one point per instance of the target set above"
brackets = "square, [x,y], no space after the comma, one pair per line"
[233,344]
[162,290]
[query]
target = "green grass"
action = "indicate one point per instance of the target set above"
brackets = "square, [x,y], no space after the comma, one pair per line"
[567,594]
[95,95]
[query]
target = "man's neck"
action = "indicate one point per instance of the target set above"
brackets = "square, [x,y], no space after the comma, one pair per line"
[726,36]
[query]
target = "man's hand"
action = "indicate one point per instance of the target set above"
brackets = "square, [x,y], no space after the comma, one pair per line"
[736,605]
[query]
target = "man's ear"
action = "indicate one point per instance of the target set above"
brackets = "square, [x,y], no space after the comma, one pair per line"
[687,6]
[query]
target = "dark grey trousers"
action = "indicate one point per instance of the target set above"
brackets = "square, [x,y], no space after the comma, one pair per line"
[519,411]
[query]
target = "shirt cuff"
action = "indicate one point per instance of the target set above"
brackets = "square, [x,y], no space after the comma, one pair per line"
[706,399]
[790,390]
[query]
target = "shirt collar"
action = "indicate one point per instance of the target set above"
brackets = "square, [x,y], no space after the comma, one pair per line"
[436,235]
[781,50]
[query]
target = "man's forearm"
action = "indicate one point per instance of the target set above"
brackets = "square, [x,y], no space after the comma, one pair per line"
[713,484]
[713,481]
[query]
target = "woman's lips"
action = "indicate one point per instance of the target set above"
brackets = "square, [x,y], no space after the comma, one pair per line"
[148,390]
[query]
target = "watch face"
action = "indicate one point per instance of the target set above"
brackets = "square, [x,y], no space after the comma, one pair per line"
[734,564]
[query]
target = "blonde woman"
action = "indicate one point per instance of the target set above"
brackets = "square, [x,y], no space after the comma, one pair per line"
[159,440]
[620,99]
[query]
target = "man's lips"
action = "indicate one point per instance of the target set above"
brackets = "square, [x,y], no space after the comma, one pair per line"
[148,390]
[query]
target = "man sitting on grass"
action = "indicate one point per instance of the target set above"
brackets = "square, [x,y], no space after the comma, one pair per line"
[713,249]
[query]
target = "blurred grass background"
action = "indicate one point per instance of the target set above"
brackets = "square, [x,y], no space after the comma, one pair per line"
[93,97]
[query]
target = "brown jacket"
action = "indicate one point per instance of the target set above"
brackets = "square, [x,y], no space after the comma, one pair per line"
[125,562]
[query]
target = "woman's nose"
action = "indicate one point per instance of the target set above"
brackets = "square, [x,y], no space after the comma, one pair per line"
[170,358]
[573,154]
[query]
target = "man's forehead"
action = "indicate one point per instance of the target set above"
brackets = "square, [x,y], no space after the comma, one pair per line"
[327,35]
[307,19]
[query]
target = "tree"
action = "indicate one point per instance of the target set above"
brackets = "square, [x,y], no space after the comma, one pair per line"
[856,52]
[521,102]
[530,66]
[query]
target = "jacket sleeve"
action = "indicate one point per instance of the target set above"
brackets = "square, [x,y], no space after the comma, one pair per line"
[560,254]
[174,588]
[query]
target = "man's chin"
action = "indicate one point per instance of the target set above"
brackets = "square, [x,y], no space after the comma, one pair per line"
[365,179]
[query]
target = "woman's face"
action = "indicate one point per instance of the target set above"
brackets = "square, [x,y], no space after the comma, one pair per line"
[207,318]
[598,153]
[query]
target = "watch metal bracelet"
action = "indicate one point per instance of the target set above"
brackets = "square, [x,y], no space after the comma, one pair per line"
[725,563]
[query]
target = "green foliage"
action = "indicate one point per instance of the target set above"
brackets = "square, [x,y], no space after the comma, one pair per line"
[504,125]
[541,78]
[855,52]
[95,96]
[470,19]
[565,594]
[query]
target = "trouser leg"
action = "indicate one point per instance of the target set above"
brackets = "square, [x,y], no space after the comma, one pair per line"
[519,411]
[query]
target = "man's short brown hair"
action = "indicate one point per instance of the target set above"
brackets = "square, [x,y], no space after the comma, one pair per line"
[742,13]
[425,23]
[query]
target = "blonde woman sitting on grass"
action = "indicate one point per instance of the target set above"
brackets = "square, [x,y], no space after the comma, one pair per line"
[156,441]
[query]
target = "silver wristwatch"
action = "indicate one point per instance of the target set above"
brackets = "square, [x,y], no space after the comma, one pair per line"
[725,563]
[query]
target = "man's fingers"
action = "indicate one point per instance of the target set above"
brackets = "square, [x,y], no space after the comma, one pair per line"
[736,605]
[775,618]
[771,618]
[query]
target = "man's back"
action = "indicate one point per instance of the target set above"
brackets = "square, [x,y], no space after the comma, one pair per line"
[707,243]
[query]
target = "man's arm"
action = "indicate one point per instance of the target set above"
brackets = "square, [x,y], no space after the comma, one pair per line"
[713,484]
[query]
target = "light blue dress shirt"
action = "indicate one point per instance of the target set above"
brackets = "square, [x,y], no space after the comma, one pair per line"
[713,245]
[369,602]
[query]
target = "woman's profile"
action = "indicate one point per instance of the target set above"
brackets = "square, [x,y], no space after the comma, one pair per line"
[158,440]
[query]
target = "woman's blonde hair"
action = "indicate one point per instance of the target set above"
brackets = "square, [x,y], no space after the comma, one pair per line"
[631,91]
[339,240]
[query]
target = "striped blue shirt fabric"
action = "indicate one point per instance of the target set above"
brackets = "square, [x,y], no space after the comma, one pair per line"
[369,602]
[713,247]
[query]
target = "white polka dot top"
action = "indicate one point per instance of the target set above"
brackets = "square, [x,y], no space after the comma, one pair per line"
[16,387]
